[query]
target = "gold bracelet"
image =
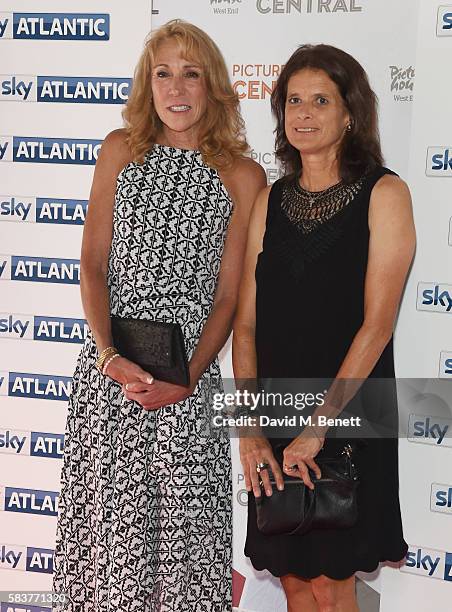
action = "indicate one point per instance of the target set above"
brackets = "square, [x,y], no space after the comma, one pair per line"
[106,353]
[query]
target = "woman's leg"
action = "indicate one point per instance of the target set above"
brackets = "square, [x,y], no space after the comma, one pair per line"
[335,595]
[299,594]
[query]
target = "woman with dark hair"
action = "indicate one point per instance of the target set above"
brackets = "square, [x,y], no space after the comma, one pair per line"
[329,248]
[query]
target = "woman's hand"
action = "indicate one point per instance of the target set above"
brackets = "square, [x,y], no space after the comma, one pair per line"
[157,394]
[299,455]
[125,371]
[255,450]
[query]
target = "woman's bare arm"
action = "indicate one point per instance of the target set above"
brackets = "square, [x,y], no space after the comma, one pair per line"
[254,448]
[97,235]
[244,343]
[243,185]
[391,249]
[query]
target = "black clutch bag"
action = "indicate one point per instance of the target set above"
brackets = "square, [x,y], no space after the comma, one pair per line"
[295,510]
[156,346]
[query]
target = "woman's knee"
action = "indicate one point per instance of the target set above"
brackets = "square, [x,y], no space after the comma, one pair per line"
[294,585]
[330,594]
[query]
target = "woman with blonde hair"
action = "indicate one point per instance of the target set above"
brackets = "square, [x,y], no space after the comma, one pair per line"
[145,506]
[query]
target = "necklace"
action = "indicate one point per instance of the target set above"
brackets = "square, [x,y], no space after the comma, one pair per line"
[313,196]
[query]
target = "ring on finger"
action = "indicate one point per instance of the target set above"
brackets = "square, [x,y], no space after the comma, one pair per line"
[261,466]
[290,468]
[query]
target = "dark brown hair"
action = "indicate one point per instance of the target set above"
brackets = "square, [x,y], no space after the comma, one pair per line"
[360,148]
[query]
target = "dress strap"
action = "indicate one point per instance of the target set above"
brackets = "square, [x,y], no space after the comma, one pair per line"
[376,174]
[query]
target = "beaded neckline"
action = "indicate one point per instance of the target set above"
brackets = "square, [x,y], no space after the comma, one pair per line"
[309,209]
[312,196]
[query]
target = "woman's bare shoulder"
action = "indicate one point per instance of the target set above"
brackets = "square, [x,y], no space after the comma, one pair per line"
[115,150]
[243,179]
[245,168]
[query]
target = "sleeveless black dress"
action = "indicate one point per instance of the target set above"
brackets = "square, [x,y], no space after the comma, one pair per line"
[310,280]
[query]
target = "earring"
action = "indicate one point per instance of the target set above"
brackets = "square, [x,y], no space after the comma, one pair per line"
[349,127]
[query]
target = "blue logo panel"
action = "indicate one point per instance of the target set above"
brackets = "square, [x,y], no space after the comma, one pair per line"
[45,270]
[59,329]
[61,26]
[39,560]
[39,386]
[31,501]
[83,90]
[31,149]
[46,444]
[61,211]
[448,567]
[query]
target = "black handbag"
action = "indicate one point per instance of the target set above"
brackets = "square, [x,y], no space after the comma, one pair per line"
[156,346]
[297,509]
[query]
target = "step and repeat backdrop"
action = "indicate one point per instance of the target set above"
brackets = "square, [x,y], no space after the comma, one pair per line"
[65,77]
[66,71]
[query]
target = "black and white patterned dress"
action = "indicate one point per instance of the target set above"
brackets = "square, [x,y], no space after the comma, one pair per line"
[145,507]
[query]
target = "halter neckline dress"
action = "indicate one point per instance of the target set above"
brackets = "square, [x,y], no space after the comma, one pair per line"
[145,506]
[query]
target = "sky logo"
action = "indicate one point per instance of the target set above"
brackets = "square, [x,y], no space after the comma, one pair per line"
[439,161]
[31,149]
[49,329]
[49,445]
[29,501]
[32,443]
[429,563]
[69,89]
[16,326]
[445,364]
[55,26]
[58,329]
[434,297]
[444,22]
[39,386]
[58,211]
[17,208]
[5,267]
[20,88]
[3,383]
[12,557]
[14,442]
[6,149]
[441,498]
[430,430]
[39,269]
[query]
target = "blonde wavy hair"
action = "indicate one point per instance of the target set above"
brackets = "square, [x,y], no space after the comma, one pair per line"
[222,134]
